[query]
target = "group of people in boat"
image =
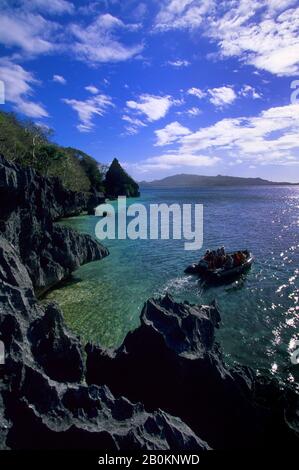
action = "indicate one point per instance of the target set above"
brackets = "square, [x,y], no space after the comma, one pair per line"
[216,259]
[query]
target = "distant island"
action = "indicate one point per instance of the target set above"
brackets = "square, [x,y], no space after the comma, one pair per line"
[193,181]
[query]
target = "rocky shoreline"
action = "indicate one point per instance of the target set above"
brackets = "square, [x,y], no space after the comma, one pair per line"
[166,387]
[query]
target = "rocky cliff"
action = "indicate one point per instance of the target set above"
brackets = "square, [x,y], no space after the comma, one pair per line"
[173,362]
[166,387]
[29,206]
[44,399]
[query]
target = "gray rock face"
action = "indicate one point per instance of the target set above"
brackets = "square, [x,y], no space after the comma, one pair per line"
[49,397]
[172,362]
[44,400]
[29,205]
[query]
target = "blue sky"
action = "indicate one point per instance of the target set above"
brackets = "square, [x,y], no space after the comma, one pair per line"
[167,87]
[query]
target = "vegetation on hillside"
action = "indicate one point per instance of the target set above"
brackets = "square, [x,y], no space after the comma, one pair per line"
[29,144]
[119,183]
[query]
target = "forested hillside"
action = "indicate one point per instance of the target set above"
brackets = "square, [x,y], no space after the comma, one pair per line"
[28,144]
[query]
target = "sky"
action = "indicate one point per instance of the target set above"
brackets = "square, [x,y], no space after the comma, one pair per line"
[166,86]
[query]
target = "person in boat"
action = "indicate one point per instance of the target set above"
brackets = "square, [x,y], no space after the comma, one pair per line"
[205,261]
[242,256]
[220,257]
[239,258]
[229,263]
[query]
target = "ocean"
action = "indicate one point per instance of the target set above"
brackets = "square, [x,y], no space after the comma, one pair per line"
[102,300]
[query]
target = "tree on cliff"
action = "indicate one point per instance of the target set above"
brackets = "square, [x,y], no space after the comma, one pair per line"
[119,183]
[26,143]
[90,167]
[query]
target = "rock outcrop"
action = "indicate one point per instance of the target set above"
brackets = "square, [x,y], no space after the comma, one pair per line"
[119,183]
[172,362]
[44,400]
[44,403]
[166,387]
[30,204]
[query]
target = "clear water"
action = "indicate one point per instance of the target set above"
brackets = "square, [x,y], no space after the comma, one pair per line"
[260,313]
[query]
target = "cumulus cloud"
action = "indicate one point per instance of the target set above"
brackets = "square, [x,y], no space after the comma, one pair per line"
[270,137]
[248,90]
[98,43]
[92,89]
[222,96]
[196,92]
[18,89]
[25,28]
[133,124]
[59,79]
[179,63]
[171,133]
[263,33]
[29,32]
[152,106]
[183,14]
[86,110]
[263,36]
[194,111]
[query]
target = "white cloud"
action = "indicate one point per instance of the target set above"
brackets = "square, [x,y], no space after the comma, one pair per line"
[248,90]
[18,89]
[98,43]
[133,124]
[222,96]
[194,111]
[272,136]
[263,33]
[92,89]
[97,105]
[196,92]
[154,107]
[59,79]
[269,138]
[173,161]
[170,133]
[267,39]
[183,14]
[179,63]
[30,32]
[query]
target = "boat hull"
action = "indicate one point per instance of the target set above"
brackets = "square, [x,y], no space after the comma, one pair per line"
[220,276]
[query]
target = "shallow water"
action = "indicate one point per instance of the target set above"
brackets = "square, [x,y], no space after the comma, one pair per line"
[260,313]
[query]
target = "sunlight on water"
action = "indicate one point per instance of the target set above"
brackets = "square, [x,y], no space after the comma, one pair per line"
[260,313]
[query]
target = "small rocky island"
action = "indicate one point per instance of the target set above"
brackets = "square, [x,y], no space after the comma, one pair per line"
[166,387]
[119,183]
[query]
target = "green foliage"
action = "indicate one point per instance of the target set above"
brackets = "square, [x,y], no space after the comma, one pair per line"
[26,143]
[119,183]
[90,167]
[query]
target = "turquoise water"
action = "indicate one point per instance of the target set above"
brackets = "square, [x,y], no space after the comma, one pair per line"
[260,313]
